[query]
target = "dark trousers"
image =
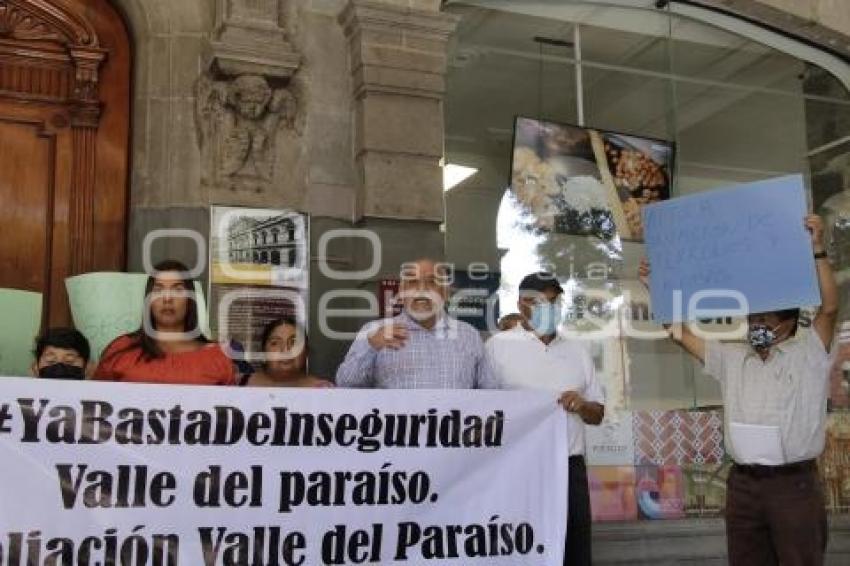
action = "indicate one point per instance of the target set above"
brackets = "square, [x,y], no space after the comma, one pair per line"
[578,516]
[775,516]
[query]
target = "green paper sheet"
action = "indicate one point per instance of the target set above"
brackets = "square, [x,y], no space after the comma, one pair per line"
[20,319]
[107,305]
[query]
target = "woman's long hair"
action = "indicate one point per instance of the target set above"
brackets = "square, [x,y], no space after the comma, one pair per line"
[285,320]
[145,342]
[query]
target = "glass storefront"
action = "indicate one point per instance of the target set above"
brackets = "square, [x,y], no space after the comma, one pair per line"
[734,109]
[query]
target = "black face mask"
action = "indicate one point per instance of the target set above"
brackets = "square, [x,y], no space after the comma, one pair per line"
[61,371]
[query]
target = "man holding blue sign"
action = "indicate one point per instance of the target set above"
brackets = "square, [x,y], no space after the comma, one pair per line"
[774,395]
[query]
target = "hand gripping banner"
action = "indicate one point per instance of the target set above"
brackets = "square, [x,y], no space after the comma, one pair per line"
[117,474]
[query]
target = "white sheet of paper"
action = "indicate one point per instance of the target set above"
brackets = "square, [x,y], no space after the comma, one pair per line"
[757,444]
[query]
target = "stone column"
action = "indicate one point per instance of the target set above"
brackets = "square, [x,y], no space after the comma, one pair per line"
[244,104]
[397,60]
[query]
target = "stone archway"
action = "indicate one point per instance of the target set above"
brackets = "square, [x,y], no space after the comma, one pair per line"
[168,40]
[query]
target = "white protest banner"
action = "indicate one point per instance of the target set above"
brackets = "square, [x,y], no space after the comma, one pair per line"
[118,474]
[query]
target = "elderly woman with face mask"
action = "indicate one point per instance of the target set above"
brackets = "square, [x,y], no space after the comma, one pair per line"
[774,395]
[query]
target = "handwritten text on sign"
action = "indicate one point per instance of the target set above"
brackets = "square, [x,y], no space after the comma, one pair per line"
[741,248]
[136,474]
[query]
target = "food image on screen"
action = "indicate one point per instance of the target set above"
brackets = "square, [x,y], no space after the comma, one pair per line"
[638,173]
[585,182]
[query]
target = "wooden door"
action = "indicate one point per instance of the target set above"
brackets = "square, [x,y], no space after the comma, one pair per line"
[64,134]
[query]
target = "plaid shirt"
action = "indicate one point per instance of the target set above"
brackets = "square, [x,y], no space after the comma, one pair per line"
[449,356]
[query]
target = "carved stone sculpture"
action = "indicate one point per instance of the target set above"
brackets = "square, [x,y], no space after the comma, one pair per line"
[239,120]
[245,102]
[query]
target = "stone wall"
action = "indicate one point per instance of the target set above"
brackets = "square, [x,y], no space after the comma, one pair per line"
[187,126]
[824,22]
[303,104]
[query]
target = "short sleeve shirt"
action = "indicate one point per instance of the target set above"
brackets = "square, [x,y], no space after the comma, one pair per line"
[789,390]
[122,361]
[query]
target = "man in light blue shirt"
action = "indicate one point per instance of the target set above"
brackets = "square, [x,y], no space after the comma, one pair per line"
[422,348]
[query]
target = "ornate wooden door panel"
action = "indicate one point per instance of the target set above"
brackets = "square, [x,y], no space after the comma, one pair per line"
[64,131]
[26,170]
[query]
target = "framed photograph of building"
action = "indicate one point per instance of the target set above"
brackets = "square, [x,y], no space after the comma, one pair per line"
[258,246]
[259,272]
[588,182]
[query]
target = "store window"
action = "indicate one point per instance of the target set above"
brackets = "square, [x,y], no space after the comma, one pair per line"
[729,109]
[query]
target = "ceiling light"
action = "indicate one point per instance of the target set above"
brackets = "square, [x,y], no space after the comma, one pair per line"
[453,175]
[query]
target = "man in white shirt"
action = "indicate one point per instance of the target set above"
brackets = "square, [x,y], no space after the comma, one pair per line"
[534,355]
[774,399]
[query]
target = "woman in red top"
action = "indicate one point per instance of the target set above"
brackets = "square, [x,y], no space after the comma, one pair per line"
[285,346]
[168,348]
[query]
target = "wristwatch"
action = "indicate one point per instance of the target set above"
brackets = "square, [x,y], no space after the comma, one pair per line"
[821,255]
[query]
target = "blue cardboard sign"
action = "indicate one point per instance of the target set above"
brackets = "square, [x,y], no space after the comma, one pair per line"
[748,239]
